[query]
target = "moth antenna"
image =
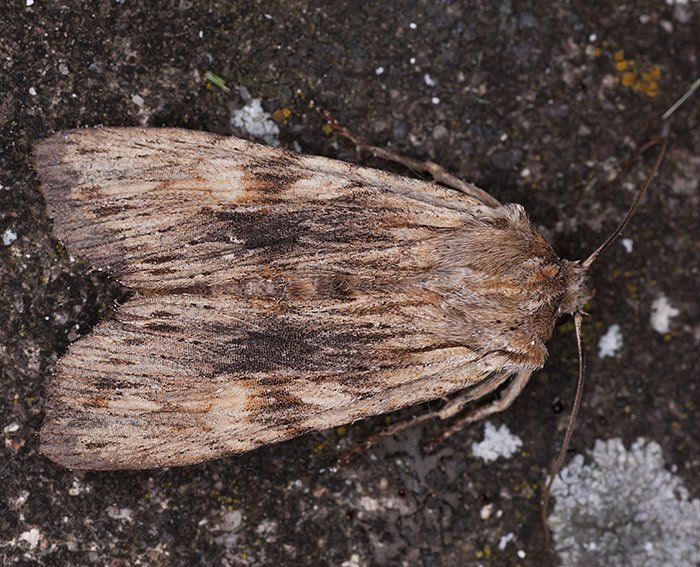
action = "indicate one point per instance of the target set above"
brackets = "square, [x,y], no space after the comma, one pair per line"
[578,320]
[663,142]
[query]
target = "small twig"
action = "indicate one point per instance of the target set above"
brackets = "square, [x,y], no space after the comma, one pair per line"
[695,86]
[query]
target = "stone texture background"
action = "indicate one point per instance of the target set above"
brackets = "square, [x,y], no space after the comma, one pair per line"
[530,100]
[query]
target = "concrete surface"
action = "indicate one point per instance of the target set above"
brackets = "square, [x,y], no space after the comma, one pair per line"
[531,100]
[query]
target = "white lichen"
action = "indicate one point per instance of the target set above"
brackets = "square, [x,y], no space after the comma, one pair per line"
[354,561]
[8,237]
[611,342]
[505,540]
[32,537]
[623,507]
[661,314]
[497,443]
[253,121]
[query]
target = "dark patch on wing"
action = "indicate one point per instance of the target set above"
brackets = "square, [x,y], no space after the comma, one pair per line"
[163,328]
[113,260]
[96,444]
[161,271]
[194,289]
[277,403]
[240,350]
[161,259]
[89,150]
[111,383]
[110,210]
[267,228]
[272,380]
[162,313]
[270,177]
[278,229]
[276,344]
[268,182]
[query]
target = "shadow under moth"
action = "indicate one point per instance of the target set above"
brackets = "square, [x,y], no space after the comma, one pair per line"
[278,294]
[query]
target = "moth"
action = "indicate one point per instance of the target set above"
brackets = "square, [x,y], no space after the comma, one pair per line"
[278,294]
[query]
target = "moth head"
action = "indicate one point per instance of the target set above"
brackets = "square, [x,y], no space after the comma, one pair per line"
[577,293]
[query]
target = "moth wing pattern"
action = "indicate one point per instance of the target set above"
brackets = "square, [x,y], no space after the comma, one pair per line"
[162,208]
[276,294]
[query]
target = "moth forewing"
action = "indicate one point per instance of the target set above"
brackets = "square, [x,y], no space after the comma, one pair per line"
[280,294]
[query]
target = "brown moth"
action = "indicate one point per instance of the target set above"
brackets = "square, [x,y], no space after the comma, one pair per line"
[279,294]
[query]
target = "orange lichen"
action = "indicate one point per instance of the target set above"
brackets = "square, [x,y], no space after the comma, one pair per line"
[282,115]
[628,79]
[642,81]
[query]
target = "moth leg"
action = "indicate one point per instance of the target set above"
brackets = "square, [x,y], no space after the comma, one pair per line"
[374,438]
[457,404]
[451,408]
[508,396]
[436,171]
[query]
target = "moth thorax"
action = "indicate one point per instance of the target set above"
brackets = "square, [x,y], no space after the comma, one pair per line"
[577,293]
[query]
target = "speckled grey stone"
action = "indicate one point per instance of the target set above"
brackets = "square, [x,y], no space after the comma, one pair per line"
[521,86]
